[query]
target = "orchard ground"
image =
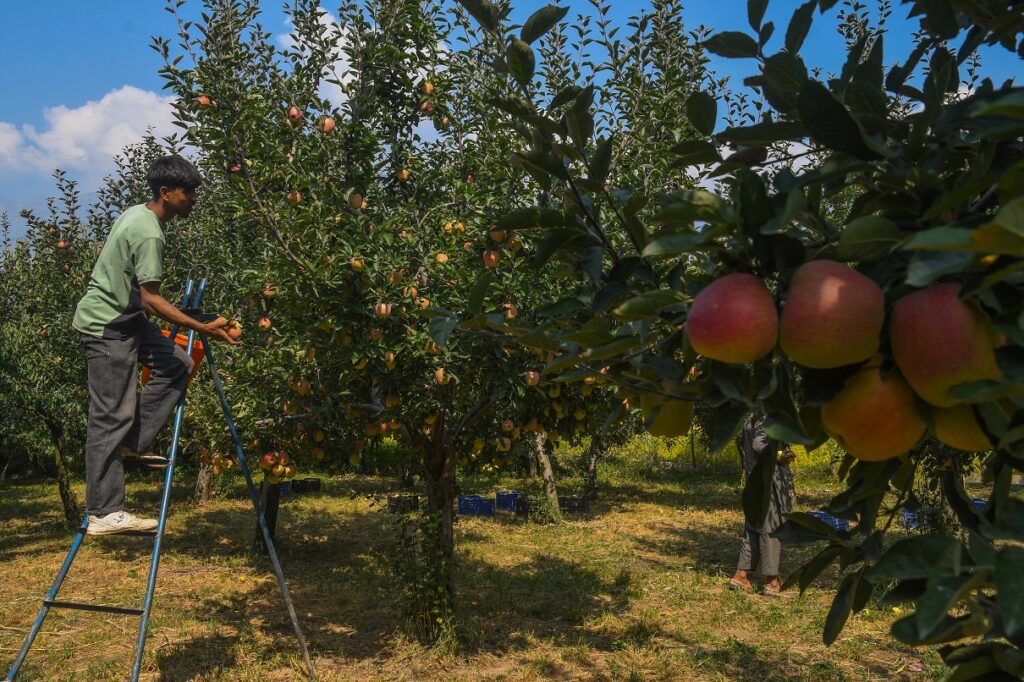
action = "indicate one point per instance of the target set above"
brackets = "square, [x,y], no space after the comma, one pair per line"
[635,591]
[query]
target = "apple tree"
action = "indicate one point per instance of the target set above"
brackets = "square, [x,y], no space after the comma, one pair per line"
[359,171]
[858,277]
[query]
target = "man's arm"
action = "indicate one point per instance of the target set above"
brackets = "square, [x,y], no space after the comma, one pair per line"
[156,304]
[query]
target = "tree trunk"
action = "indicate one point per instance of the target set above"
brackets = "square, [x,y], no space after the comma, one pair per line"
[202,492]
[592,455]
[548,474]
[437,604]
[270,501]
[72,512]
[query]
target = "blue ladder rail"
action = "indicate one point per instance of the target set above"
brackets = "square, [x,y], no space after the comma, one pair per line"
[193,295]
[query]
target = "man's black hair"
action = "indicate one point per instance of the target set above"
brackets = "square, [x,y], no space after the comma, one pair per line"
[172,172]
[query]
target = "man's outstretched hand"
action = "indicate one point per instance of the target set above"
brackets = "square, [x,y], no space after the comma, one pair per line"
[218,329]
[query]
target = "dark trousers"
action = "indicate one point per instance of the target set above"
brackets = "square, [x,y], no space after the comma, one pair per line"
[120,416]
[759,552]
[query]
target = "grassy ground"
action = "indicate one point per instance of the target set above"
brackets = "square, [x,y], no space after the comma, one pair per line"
[634,592]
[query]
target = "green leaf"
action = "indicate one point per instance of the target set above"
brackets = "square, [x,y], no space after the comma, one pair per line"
[580,124]
[784,77]
[948,630]
[799,25]
[829,123]
[926,556]
[731,44]
[690,205]
[535,218]
[816,566]
[440,328]
[564,96]
[786,428]
[542,21]
[476,296]
[725,421]
[524,111]
[648,304]
[600,161]
[763,133]
[521,61]
[483,11]
[695,152]
[1009,579]
[755,12]
[612,348]
[839,612]
[938,599]
[702,111]
[674,244]
[926,266]
[868,238]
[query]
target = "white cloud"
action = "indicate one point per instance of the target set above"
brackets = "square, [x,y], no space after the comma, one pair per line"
[84,139]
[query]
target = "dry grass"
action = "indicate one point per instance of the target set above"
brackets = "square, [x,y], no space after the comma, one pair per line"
[635,592]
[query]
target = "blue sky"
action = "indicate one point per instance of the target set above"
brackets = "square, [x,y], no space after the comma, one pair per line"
[80,80]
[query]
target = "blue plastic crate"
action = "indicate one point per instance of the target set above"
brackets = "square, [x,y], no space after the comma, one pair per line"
[506,500]
[913,519]
[474,505]
[834,522]
[978,503]
[286,488]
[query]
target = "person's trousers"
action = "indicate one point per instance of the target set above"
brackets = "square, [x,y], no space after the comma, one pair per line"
[117,414]
[760,552]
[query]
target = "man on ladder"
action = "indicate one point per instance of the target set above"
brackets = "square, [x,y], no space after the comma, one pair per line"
[116,336]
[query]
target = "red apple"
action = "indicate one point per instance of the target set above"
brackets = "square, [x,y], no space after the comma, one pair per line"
[873,417]
[833,316]
[733,320]
[940,341]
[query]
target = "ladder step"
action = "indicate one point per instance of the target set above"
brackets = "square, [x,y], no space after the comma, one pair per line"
[133,533]
[121,610]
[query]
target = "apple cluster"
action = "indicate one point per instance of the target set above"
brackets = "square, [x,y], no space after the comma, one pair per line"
[833,317]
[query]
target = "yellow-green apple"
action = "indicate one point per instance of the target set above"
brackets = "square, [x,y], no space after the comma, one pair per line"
[940,341]
[673,417]
[733,320]
[958,427]
[873,416]
[832,317]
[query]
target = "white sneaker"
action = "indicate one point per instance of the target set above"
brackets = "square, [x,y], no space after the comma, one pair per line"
[118,522]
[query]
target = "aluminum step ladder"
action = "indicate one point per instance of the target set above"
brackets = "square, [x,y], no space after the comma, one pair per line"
[191,305]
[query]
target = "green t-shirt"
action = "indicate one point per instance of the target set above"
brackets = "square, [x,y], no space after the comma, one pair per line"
[133,255]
